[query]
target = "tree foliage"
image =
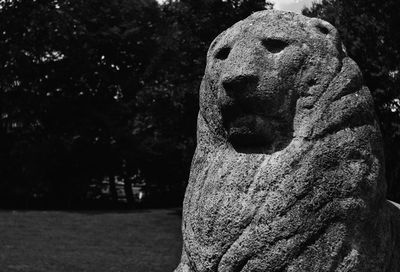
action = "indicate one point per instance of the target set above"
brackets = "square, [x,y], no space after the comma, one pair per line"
[69,72]
[92,89]
[370,30]
[169,100]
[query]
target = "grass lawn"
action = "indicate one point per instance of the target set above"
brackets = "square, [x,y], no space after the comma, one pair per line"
[57,241]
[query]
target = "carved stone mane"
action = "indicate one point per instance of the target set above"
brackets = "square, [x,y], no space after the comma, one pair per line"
[288,170]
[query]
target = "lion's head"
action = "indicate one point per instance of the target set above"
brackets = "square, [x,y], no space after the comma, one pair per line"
[260,74]
[289,154]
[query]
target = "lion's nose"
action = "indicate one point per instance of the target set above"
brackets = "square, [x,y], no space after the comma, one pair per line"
[239,84]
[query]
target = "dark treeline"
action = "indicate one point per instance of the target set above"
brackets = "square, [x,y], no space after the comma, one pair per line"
[92,90]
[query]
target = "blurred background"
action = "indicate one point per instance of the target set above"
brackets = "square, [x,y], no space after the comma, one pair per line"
[98,107]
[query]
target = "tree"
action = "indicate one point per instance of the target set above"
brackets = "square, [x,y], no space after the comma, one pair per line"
[92,89]
[370,30]
[168,103]
[70,70]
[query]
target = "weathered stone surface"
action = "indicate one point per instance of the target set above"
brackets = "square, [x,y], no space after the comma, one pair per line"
[288,170]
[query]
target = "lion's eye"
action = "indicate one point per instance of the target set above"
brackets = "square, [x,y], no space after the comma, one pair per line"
[274,45]
[223,53]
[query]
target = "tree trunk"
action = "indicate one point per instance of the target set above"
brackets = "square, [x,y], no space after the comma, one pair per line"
[128,191]
[113,188]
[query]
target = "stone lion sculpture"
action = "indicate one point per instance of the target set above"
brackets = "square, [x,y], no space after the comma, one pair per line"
[288,173]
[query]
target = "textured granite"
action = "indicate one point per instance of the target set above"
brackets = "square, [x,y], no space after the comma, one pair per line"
[288,174]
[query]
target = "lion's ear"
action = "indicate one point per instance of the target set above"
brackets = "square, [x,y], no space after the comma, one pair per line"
[330,34]
[323,27]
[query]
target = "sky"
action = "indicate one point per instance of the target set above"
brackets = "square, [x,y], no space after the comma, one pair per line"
[292,5]
[288,5]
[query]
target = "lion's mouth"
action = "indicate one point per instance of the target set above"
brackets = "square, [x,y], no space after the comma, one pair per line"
[254,127]
[245,126]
